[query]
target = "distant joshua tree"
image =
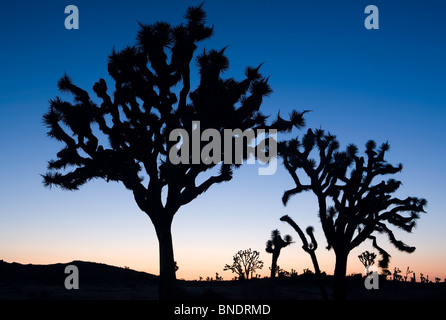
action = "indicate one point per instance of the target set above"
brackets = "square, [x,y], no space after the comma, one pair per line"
[354,203]
[274,245]
[367,259]
[245,263]
[408,271]
[396,274]
[284,274]
[424,279]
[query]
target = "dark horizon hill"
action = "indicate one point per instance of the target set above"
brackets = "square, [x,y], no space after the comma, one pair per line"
[96,281]
[99,281]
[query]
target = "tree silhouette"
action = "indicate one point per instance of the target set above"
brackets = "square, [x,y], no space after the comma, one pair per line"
[245,262]
[396,274]
[352,207]
[367,259]
[274,245]
[408,271]
[310,248]
[126,137]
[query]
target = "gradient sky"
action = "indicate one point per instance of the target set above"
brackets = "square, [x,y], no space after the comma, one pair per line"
[387,84]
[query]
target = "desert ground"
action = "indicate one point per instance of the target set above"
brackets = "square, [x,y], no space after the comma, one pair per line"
[103,282]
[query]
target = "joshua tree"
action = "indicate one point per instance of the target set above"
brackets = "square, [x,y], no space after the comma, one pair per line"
[274,245]
[127,137]
[396,274]
[408,271]
[353,205]
[310,248]
[424,279]
[245,262]
[367,259]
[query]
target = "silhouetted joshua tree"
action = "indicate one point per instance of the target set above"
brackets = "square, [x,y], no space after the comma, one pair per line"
[274,245]
[367,259]
[310,248]
[408,271]
[353,205]
[396,274]
[245,263]
[126,137]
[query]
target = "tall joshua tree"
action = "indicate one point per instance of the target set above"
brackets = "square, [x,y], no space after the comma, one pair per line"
[140,115]
[353,204]
[274,245]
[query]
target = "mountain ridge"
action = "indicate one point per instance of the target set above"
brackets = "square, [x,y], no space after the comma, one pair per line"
[47,281]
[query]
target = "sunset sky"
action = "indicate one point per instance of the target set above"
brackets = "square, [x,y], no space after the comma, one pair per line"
[387,85]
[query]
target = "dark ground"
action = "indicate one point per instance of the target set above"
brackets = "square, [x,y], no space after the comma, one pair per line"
[103,282]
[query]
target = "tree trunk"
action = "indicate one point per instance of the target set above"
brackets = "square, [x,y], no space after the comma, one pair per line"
[167,281]
[339,276]
[318,274]
[274,264]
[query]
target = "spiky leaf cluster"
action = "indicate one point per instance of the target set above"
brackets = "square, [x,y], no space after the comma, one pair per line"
[152,95]
[276,243]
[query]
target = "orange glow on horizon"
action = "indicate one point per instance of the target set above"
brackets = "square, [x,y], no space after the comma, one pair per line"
[190,271]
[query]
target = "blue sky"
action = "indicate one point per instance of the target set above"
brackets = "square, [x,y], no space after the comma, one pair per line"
[387,84]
